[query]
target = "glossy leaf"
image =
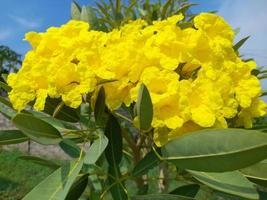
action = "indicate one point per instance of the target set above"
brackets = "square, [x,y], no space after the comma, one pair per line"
[160,197]
[96,150]
[12,137]
[257,173]
[57,185]
[78,187]
[144,108]
[40,161]
[75,11]
[217,150]
[37,129]
[229,182]
[148,162]
[70,148]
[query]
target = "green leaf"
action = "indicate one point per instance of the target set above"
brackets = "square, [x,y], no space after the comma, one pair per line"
[186,190]
[240,43]
[117,190]
[114,149]
[229,182]
[160,197]
[144,108]
[78,187]
[257,173]
[37,129]
[70,148]
[185,7]
[100,105]
[6,108]
[113,154]
[217,150]
[12,137]
[40,161]
[96,149]
[57,185]
[6,87]
[64,113]
[75,11]
[148,162]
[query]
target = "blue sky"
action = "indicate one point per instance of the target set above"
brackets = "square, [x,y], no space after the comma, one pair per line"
[20,16]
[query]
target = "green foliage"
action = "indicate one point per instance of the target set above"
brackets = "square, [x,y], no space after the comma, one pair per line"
[113,157]
[213,155]
[144,108]
[37,129]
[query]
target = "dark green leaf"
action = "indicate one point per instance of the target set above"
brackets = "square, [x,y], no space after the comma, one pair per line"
[144,108]
[99,111]
[6,87]
[117,189]
[12,137]
[160,197]
[65,113]
[40,161]
[114,149]
[229,182]
[187,190]
[240,43]
[37,129]
[78,187]
[148,162]
[70,148]
[113,154]
[217,150]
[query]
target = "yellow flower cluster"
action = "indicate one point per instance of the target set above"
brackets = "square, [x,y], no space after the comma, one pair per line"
[195,78]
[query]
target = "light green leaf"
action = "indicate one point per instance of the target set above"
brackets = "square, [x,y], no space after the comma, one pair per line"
[144,108]
[217,150]
[96,149]
[57,185]
[257,173]
[37,129]
[75,11]
[229,182]
[12,137]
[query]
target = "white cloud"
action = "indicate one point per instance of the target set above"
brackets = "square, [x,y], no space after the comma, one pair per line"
[24,22]
[4,34]
[251,17]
